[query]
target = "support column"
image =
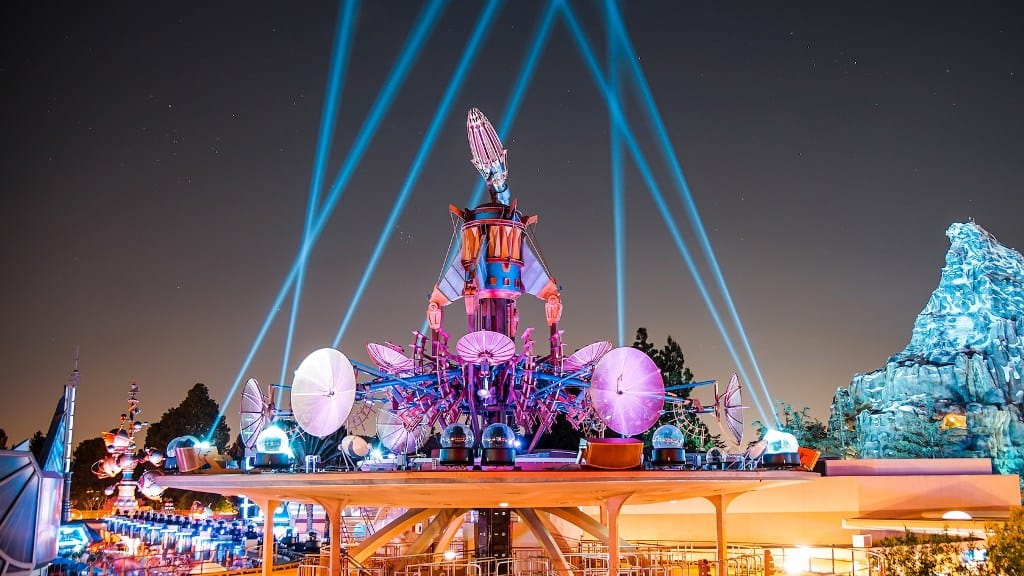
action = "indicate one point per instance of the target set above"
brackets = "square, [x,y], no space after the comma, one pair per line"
[384,534]
[612,506]
[268,507]
[547,541]
[721,503]
[333,509]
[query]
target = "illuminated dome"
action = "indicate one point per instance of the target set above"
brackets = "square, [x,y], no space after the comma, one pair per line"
[498,435]
[458,436]
[272,449]
[780,442]
[667,436]
[781,450]
[668,447]
[498,445]
[273,440]
[457,445]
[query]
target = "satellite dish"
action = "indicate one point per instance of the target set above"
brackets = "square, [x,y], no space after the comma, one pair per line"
[400,436]
[484,346]
[388,359]
[585,356]
[627,391]
[255,412]
[729,411]
[323,391]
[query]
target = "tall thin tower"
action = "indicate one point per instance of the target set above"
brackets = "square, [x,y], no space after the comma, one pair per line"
[69,414]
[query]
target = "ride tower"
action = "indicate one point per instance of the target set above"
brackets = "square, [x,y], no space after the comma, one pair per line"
[496,264]
[492,389]
[494,267]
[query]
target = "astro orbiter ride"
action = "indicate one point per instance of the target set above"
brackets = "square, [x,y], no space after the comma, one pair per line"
[493,375]
[486,379]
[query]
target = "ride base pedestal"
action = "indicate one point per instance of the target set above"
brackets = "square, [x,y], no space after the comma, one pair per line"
[455,456]
[498,457]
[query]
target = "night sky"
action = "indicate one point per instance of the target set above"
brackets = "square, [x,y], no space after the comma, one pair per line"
[157,161]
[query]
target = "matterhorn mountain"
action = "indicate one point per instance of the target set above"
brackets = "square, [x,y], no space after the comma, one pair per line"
[955,390]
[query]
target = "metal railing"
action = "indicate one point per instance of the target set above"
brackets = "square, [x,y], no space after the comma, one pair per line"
[590,558]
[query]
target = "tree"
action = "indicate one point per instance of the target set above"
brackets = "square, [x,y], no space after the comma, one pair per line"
[561,436]
[236,451]
[194,417]
[1006,545]
[914,437]
[922,555]
[672,364]
[3,439]
[35,446]
[86,487]
[808,430]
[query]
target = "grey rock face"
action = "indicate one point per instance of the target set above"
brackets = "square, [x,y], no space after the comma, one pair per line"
[956,389]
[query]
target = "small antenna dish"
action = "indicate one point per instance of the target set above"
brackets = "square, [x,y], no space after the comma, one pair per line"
[627,391]
[254,412]
[389,360]
[486,347]
[401,436]
[586,356]
[323,391]
[729,411]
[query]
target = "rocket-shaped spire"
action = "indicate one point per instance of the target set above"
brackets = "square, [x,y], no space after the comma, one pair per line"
[488,154]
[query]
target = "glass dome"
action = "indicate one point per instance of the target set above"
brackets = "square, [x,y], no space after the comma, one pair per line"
[181,442]
[667,436]
[273,440]
[457,436]
[778,442]
[498,435]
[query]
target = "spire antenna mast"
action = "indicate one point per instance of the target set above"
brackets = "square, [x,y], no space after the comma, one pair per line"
[70,390]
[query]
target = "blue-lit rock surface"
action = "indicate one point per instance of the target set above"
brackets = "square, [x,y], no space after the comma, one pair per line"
[956,389]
